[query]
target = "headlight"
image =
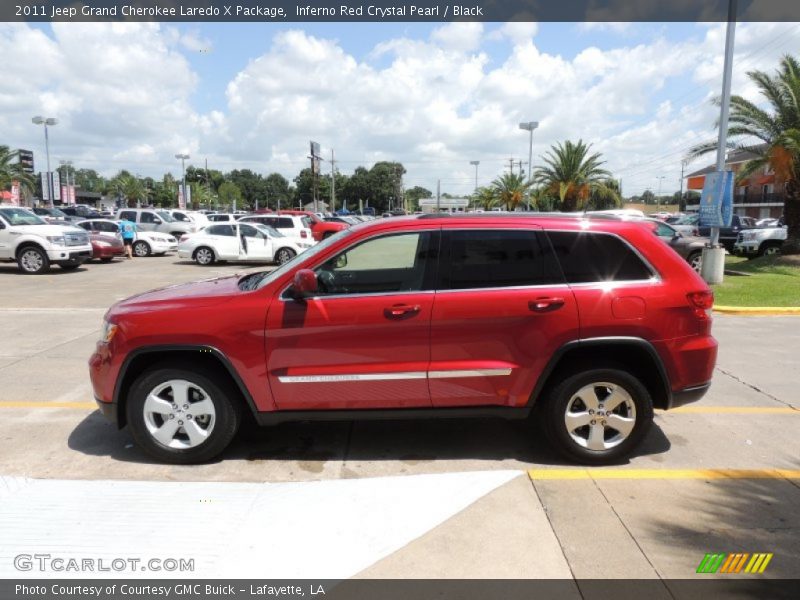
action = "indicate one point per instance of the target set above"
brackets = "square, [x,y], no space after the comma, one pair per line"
[171,240]
[57,240]
[108,332]
[748,235]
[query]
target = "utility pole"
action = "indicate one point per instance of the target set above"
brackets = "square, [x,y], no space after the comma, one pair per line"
[511,164]
[438,195]
[475,163]
[658,198]
[681,204]
[208,187]
[713,266]
[333,183]
[521,170]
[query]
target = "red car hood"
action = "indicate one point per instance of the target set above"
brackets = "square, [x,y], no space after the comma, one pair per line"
[207,292]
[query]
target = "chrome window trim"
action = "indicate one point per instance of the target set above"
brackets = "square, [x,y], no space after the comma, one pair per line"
[469,373]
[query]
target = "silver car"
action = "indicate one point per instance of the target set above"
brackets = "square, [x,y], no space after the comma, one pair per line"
[155,219]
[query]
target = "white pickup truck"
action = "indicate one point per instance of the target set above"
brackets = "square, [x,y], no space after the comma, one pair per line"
[35,245]
[760,241]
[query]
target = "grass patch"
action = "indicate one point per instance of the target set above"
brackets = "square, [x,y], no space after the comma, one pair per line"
[772,281]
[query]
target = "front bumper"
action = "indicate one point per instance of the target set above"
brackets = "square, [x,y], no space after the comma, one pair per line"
[745,248]
[109,410]
[70,254]
[163,247]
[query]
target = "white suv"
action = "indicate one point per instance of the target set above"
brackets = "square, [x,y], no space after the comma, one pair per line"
[155,219]
[296,227]
[35,245]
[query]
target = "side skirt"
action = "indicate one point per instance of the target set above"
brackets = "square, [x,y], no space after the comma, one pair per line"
[392,414]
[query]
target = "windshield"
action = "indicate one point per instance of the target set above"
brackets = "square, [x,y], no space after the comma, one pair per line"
[259,280]
[165,216]
[20,216]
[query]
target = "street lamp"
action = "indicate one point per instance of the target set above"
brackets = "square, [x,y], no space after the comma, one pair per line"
[183,158]
[658,198]
[67,164]
[39,120]
[529,126]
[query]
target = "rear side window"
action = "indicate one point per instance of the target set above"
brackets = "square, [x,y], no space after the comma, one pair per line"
[496,258]
[283,223]
[221,230]
[588,257]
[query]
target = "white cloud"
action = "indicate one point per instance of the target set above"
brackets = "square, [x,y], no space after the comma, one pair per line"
[124,94]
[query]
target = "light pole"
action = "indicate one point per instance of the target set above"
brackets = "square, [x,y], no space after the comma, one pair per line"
[475,163]
[38,120]
[658,198]
[183,158]
[529,126]
[67,164]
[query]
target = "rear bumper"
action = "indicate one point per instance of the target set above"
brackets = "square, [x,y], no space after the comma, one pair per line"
[688,395]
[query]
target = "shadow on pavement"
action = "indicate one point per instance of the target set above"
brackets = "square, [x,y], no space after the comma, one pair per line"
[408,442]
[740,516]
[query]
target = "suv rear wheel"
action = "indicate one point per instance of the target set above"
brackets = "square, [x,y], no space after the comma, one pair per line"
[598,416]
[180,416]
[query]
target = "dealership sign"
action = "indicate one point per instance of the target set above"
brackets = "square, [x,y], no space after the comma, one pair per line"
[716,201]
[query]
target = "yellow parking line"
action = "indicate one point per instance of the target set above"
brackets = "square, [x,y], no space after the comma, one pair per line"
[26,404]
[553,474]
[741,410]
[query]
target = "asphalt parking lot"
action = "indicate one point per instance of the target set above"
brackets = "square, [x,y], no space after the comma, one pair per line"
[468,498]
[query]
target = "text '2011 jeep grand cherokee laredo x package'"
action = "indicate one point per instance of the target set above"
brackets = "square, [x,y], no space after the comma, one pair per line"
[593,323]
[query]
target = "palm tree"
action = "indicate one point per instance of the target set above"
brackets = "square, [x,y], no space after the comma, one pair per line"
[777,129]
[11,170]
[511,189]
[605,194]
[486,198]
[571,173]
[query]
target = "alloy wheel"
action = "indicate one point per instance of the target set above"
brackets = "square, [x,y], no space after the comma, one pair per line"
[179,414]
[31,261]
[600,416]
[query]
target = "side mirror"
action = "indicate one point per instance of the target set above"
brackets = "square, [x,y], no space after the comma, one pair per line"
[341,262]
[304,284]
[157,221]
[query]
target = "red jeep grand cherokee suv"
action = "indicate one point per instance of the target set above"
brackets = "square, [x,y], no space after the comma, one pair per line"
[592,322]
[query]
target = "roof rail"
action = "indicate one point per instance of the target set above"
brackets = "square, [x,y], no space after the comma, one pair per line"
[508,214]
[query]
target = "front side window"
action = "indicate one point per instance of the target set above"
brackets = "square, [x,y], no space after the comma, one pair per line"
[128,215]
[106,226]
[391,263]
[589,257]
[249,231]
[495,258]
[148,217]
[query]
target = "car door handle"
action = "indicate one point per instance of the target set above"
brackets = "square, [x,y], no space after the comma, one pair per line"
[401,311]
[545,304]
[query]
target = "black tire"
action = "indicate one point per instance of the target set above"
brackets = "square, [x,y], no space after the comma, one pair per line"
[106,259]
[284,255]
[204,256]
[695,260]
[769,249]
[565,396]
[69,266]
[32,260]
[226,419]
[141,249]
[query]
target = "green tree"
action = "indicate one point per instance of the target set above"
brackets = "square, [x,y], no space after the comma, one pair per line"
[356,189]
[604,195]
[511,189]
[251,185]
[648,197]
[229,193]
[773,134]
[414,195]
[386,179]
[278,192]
[571,173]
[11,170]
[486,197]
[88,180]
[304,188]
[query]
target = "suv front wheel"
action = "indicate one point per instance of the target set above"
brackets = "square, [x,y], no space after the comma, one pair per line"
[180,416]
[597,417]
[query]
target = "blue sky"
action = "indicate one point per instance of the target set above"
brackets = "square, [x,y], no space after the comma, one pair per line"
[433,96]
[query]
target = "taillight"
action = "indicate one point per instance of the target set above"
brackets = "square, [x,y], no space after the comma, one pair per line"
[702,302]
[303,233]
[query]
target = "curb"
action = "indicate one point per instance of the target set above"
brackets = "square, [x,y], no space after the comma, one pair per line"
[776,311]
